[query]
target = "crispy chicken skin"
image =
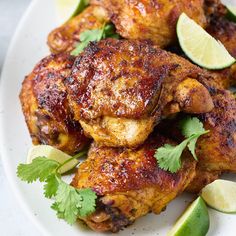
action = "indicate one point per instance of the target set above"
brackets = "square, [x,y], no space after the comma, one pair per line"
[202,178]
[217,149]
[148,19]
[65,37]
[225,31]
[44,103]
[129,183]
[120,89]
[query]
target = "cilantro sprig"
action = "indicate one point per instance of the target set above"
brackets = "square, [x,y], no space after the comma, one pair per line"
[169,156]
[69,202]
[95,35]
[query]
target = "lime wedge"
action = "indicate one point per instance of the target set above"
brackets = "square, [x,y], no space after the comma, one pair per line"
[70,8]
[52,153]
[194,221]
[221,195]
[231,15]
[200,46]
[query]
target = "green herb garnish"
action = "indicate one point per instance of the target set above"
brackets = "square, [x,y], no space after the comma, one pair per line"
[70,203]
[95,35]
[169,156]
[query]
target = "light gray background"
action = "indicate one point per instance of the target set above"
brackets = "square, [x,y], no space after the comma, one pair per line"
[13,221]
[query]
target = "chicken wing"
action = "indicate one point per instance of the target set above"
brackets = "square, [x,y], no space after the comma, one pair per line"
[120,89]
[148,19]
[129,183]
[44,102]
[66,37]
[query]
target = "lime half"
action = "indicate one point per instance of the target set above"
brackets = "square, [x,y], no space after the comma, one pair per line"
[221,195]
[70,8]
[200,46]
[231,15]
[194,221]
[52,153]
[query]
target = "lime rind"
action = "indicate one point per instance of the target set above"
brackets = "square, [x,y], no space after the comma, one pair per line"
[231,14]
[200,46]
[80,7]
[195,215]
[68,9]
[52,153]
[220,195]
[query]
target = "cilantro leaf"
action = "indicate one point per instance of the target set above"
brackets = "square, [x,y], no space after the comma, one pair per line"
[51,186]
[88,202]
[71,203]
[169,157]
[85,38]
[68,202]
[40,168]
[54,206]
[191,126]
[192,145]
[94,35]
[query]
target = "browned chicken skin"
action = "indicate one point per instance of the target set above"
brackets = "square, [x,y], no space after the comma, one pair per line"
[129,183]
[201,179]
[65,37]
[44,102]
[217,149]
[120,89]
[148,19]
[225,31]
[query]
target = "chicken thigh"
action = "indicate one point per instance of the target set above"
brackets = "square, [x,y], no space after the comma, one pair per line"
[120,89]
[44,102]
[216,150]
[148,19]
[225,31]
[129,183]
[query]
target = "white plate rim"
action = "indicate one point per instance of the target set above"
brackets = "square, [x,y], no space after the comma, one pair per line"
[13,186]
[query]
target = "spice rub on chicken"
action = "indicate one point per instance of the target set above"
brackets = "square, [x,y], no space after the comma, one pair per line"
[129,183]
[119,89]
[66,37]
[45,106]
[154,20]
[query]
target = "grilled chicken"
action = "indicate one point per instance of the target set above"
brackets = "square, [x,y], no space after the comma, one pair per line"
[66,37]
[201,179]
[120,89]
[154,20]
[44,102]
[129,183]
[216,151]
[225,31]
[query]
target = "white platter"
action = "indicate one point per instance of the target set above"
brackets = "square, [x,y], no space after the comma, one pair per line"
[27,47]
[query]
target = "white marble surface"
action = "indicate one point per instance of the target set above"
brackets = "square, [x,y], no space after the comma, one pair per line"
[13,221]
